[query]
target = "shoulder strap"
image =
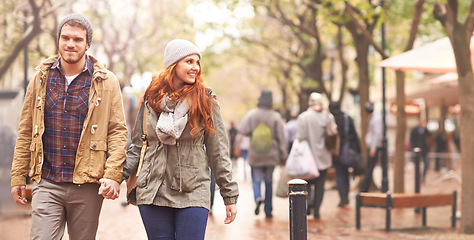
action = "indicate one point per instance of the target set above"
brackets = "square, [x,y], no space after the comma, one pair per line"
[346,128]
[144,140]
[262,121]
[144,125]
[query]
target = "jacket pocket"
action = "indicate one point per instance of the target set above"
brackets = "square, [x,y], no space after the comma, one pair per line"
[151,155]
[185,178]
[98,150]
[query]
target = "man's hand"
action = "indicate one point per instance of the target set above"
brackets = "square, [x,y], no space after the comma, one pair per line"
[19,194]
[231,212]
[109,188]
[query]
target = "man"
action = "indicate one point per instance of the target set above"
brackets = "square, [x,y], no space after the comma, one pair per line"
[419,136]
[232,135]
[263,161]
[71,138]
[348,139]
[373,140]
[312,127]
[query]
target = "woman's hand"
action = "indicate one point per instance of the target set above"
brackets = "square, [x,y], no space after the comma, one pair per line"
[231,212]
[109,188]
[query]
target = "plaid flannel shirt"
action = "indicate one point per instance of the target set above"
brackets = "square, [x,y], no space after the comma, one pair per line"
[65,112]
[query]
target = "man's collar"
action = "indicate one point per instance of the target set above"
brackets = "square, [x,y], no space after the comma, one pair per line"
[89,66]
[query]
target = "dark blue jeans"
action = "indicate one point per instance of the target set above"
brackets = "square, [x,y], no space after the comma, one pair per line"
[342,180]
[263,174]
[167,223]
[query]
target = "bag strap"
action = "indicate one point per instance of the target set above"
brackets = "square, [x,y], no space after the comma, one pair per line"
[266,119]
[263,121]
[144,140]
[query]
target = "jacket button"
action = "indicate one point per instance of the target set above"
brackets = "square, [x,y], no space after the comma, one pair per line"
[94,146]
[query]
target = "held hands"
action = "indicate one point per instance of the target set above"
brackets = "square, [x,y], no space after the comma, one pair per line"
[19,194]
[109,188]
[231,212]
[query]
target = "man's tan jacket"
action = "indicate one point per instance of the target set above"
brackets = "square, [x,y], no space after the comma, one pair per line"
[101,149]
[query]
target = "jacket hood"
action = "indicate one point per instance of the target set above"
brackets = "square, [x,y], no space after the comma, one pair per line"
[100,72]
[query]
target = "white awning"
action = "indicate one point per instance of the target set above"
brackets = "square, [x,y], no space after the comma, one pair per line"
[434,57]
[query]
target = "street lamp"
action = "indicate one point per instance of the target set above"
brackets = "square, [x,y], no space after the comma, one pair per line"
[331,53]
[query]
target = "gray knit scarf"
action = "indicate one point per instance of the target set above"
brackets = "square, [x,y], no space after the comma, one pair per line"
[172,120]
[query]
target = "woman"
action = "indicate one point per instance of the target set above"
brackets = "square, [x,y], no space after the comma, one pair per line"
[186,137]
[312,125]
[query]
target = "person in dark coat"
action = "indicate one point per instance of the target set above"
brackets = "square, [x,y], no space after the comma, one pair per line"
[342,172]
[419,139]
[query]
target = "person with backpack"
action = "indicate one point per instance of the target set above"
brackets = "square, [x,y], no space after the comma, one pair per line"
[268,147]
[313,124]
[347,135]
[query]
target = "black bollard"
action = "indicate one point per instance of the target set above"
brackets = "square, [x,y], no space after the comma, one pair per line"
[417,152]
[297,192]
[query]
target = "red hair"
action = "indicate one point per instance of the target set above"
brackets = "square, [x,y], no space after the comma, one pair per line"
[199,100]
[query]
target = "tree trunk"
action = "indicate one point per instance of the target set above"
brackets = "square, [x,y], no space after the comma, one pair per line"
[460,35]
[362,47]
[364,83]
[466,89]
[399,158]
[466,97]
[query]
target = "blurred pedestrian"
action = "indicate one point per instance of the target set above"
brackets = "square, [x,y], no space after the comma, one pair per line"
[290,130]
[186,138]
[312,126]
[232,135]
[347,135]
[440,147]
[129,105]
[71,138]
[242,145]
[264,158]
[373,140]
[419,138]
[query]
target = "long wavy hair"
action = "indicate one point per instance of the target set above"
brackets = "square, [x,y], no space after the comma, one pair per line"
[199,100]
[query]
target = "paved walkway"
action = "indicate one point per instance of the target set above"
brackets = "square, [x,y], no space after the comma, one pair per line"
[124,223]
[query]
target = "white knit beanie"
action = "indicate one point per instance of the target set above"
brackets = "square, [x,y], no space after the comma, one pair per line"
[178,49]
[315,99]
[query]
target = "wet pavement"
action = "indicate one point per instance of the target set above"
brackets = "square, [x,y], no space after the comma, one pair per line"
[124,223]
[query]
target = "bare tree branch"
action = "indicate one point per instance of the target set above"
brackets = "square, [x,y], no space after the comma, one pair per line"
[469,23]
[415,24]
[365,33]
[27,37]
